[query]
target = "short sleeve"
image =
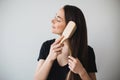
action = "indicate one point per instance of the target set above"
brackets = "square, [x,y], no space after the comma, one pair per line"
[91,60]
[43,51]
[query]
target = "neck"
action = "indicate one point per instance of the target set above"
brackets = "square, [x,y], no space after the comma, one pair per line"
[63,57]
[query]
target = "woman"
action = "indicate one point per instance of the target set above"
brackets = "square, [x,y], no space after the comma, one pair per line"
[55,61]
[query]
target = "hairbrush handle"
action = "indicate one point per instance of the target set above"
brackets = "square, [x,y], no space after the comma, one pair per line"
[68,44]
[64,38]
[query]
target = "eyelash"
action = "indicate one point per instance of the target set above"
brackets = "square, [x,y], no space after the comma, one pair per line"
[57,19]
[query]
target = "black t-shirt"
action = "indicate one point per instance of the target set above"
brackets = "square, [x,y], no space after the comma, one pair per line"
[58,72]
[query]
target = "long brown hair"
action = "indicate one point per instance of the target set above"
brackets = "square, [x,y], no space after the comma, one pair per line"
[78,41]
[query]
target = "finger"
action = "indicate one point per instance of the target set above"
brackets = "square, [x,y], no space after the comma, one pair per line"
[70,67]
[58,49]
[57,46]
[58,53]
[71,63]
[72,58]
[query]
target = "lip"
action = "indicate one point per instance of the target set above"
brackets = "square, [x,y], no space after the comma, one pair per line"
[53,27]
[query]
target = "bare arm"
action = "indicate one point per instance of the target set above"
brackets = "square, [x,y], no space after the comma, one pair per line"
[93,76]
[44,66]
[76,67]
[43,69]
[87,76]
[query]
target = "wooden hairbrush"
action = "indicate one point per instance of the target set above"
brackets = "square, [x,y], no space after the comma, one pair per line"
[68,31]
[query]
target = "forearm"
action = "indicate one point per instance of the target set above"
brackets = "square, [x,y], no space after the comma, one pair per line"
[76,67]
[84,75]
[44,68]
[43,71]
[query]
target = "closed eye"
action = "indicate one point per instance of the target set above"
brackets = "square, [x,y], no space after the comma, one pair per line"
[58,18]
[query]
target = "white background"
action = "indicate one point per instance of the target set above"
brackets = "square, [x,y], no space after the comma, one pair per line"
[26,24]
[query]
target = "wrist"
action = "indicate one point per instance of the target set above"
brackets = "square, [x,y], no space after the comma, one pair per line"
[82,72]
[84,75]
[49,59]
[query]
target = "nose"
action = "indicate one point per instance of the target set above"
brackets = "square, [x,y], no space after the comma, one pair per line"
[53,20]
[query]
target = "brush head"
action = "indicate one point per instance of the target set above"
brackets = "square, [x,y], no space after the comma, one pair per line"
[69,30]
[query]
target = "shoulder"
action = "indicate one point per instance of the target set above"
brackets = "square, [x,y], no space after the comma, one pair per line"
[48,42]
[90,49]
[44,51]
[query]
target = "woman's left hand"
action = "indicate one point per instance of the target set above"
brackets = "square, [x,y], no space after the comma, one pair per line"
[75,65]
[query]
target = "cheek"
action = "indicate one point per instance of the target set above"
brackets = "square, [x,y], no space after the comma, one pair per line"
[61,28]
[58,28]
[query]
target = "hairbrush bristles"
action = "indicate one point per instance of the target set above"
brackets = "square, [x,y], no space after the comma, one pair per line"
[69,30]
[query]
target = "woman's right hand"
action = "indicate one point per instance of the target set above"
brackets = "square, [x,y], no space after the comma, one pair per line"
[55,49]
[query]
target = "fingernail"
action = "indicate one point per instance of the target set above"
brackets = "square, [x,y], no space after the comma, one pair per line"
[68,56]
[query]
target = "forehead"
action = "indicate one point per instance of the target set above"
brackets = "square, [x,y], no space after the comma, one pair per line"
[61,13]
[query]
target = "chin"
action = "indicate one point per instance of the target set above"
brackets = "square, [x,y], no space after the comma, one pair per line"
[54,32]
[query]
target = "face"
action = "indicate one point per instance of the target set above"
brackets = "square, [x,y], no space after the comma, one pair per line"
[58,23]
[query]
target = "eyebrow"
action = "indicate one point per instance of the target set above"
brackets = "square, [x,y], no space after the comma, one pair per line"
[59,17]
